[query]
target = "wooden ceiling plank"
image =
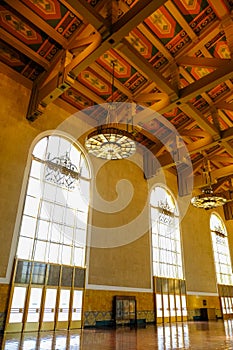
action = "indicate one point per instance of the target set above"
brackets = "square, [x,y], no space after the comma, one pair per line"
[18,45]
[37,21]
[155,41]
[84,90]
[136,15]
[202,61]
[207,82]
[10,72]
[190,110]
[140,62]
[215,174]
[224,105]
[180,19]
[88,13]
[219,8]
[227,147]
[204,38]
[223,159]
[108,76]
[223,116]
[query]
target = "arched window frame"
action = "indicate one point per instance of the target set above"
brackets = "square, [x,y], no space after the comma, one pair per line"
[73,143]
[166,248]
[221,252]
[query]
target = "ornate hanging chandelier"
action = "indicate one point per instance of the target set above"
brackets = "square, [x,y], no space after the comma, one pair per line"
[208,199]
[109,141]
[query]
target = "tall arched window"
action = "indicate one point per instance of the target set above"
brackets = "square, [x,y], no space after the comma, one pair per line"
[167,257]
[49,272]
[54,222]
[167,260]
[223,264]
[221,251]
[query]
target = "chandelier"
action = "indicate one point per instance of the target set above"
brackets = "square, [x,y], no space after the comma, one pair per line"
[208,199]
[109,141]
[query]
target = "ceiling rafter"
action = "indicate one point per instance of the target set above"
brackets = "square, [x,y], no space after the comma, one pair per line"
[216,174]
[207,82]
[180,19]
[98,47]
[202,61]
[83,8]
[141,63]
[166,160]
[18,45]
[38,21]
[108,76]
[224,105]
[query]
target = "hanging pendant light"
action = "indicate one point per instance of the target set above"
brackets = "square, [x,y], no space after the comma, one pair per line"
[109,141]
[208,199]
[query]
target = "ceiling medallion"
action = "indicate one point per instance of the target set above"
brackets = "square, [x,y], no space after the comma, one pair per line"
[109,141]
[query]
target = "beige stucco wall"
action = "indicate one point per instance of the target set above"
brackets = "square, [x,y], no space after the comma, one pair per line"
[125,264]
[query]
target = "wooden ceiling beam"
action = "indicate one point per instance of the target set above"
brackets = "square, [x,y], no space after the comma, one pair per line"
[190,110]
[18,45]
[224,105]
[219,8]
[108,76]
[200,146]
[215,175]
[88,13]
[207,82]
[10,72]
[136,15]
[155,41]
[228,147]
[180,19]
[37,21]
[201,61]
[150,73]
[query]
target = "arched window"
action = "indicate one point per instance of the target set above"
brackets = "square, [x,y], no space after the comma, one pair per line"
[221,250]
[49,273]
[168,279]
[166,245]
[54,222]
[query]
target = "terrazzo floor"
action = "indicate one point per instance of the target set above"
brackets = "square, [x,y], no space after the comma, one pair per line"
[191,335]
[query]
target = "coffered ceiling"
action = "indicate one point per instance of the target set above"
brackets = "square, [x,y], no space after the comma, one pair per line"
[173,57]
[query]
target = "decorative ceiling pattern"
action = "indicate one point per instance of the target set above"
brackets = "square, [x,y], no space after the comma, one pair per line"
[171,56]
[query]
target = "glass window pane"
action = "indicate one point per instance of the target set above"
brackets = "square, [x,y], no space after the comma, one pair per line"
[31,206]
[28,226]
[34,305]
[25,246]
[34,187]
[17,306]
[78,256]
[64,302]
[66,255]
[77,305]
[42,229]
[53,275]
[54,253]
[50,304]
[23,272]
[40,251]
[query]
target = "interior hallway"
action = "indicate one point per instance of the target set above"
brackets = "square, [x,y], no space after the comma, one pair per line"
[192,335]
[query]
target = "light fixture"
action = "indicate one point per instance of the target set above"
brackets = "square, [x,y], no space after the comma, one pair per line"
[109,141]
[208,199]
